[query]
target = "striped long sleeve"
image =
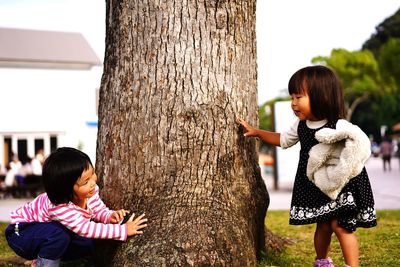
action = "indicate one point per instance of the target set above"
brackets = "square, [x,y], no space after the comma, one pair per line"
[73,217]
[78,221]
[101,213]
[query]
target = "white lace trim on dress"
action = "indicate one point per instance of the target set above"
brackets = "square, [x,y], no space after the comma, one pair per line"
[345,199]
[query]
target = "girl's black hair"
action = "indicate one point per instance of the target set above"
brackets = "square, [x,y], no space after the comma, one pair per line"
[324,90]
[61,170]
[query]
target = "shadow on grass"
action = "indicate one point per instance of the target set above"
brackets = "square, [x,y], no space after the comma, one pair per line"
[275,247]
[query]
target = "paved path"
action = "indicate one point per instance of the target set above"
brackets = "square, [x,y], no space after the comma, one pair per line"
[385,185]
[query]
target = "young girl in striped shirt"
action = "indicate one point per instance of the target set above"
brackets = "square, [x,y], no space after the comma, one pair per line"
[61,223]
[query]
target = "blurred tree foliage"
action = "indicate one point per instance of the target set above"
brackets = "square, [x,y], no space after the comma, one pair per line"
[266,117]
[385,109]
[359,74]
[389,28]
[370,79]
[265,113]
[389,62]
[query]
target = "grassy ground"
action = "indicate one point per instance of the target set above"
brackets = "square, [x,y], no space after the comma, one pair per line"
[379,246]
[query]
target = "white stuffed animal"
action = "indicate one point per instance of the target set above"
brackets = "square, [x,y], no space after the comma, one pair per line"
[338,157]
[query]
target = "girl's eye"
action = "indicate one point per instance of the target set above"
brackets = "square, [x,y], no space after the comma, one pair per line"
[298,96]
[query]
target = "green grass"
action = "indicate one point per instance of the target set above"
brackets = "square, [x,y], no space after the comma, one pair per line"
[379,246]
[7,256]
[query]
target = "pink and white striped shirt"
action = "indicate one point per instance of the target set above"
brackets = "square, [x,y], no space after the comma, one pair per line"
[73,217]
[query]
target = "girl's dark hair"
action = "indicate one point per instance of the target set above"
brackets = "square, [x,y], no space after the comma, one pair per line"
[324,90]
[61,170]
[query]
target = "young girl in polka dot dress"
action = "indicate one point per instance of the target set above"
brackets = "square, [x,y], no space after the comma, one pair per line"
[317,101]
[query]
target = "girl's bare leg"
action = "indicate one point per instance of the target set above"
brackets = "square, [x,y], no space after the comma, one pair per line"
[322,239]
[348,243]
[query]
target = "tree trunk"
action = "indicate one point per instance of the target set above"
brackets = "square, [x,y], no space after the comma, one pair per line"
[354,105]
[176,76]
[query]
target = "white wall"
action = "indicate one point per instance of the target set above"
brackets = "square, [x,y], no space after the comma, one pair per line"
[51,100]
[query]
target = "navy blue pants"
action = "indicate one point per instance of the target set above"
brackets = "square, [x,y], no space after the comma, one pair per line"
[49,240]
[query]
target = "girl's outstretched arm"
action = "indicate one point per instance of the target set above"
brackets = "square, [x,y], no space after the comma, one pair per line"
[268,137]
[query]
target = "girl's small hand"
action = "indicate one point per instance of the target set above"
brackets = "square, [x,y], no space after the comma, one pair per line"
[250,131]
[133,226]
[118,215]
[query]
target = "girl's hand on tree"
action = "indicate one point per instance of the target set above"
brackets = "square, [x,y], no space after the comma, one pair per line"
[118,215]
[133,226]
[249,130]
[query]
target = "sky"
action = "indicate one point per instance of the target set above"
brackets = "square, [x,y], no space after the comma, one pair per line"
[289,32]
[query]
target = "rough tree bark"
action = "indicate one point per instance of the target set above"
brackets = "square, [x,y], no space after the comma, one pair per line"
[176,75]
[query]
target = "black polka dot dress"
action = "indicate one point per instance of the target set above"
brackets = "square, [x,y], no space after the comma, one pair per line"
[354,206]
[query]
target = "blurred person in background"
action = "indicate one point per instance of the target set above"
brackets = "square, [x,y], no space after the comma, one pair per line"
[386,149]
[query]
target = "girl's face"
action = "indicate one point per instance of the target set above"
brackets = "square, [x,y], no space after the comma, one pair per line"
[301,106]
[85,185]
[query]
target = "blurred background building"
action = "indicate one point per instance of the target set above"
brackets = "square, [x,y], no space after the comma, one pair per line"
[49,83]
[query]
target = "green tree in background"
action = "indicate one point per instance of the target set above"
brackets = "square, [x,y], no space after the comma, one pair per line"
[265,113]
[266,118]
[389,62]
[359,74]
[387,108]
[389,28]
[385,45]
[370,79]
